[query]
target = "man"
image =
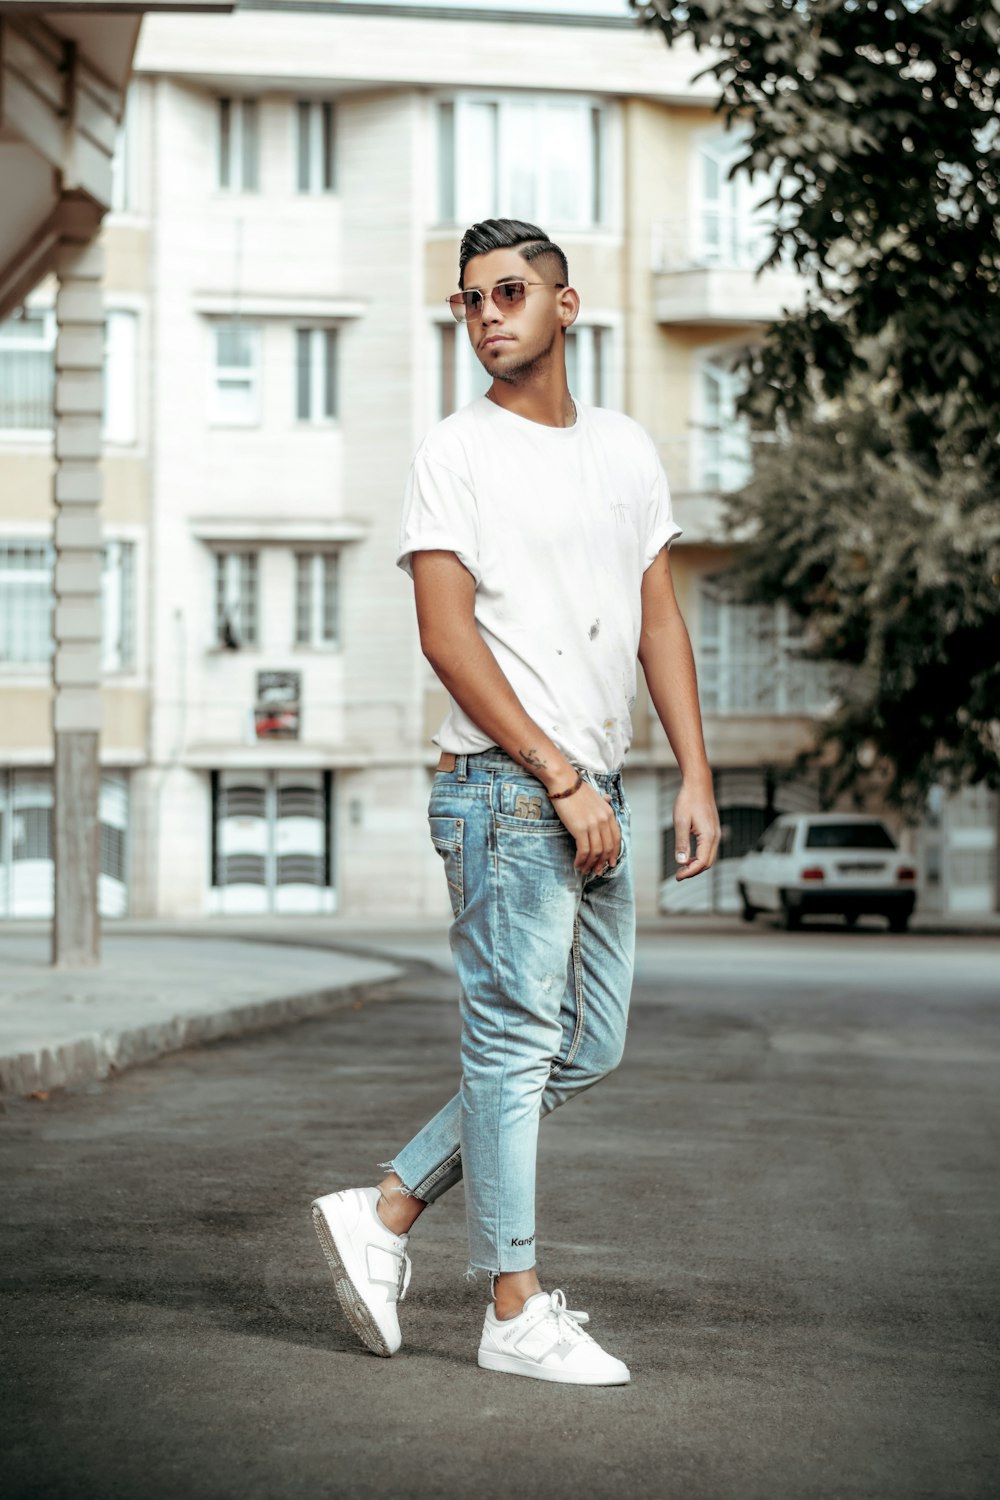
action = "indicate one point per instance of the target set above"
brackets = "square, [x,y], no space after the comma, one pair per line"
[536,531]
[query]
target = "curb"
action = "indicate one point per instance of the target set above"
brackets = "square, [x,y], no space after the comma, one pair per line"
[97,1055]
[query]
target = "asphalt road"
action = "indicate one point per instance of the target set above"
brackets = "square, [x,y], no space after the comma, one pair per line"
[783,1211]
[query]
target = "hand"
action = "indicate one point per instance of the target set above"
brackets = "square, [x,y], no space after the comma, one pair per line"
[695,813]
[590,818]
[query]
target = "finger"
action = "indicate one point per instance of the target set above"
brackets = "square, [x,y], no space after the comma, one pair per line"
[682,844]
[704,857]
[582,859]
[696,866]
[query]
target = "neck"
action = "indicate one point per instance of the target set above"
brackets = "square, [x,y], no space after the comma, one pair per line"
[550,404]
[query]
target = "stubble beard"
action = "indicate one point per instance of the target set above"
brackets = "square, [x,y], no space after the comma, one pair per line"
[521,372]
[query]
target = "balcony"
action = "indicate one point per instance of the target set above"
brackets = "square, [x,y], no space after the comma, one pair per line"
[705,271]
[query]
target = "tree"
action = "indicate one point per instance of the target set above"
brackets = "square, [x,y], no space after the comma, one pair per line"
[878,120]
[898,581]
[876,513]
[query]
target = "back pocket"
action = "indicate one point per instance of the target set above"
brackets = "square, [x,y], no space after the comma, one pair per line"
[447,836]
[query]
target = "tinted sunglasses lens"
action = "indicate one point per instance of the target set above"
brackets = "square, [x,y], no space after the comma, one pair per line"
[509,293]
[459,304]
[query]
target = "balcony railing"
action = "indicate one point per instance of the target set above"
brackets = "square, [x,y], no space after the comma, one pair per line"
[781,684]
[712,240]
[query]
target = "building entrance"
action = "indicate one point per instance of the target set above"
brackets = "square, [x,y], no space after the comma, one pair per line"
[272,845]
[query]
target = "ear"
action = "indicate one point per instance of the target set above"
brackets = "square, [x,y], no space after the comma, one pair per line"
[569,306]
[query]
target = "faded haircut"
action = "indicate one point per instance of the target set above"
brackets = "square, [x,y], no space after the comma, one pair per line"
[528,240]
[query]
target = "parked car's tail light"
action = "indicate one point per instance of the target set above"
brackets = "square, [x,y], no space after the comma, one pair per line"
[814,872]
[906,872]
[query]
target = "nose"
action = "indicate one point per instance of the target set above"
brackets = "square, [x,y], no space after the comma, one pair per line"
[490,314]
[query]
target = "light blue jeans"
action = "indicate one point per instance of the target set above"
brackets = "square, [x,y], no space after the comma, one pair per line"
[544,957]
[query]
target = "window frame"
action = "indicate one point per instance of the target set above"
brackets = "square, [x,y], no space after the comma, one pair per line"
[237,138]
[38,579]
[118,607]
[727,471]
[457,144]
[44,345]
[743,231]
[318,591]
[120,413]
[799,686]
[322,386]
[236,587]
[319,158]
[454,370]
[125,157]
[234,374]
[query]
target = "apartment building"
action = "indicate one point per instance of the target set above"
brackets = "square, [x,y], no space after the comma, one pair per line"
[292,183]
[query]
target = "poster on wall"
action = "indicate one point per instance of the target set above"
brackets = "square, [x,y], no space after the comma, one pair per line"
[277,711]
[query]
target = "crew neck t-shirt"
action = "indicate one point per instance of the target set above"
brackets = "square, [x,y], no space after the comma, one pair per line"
[557,526]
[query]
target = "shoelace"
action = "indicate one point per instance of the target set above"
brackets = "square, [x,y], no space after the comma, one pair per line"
[567,1322]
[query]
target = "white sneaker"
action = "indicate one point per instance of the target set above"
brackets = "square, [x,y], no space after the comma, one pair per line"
[371,1269]
[546,1342]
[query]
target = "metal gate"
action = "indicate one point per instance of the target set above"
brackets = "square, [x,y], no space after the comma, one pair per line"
[272,841]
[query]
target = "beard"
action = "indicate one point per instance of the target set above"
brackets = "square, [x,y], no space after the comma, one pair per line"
[522,370]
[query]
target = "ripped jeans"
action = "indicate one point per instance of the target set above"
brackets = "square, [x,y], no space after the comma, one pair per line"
[544,957]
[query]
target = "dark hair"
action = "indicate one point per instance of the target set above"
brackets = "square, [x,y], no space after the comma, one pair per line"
[509,234]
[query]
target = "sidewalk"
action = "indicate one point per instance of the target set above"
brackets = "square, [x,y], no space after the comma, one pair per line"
[154,994]
[162,986]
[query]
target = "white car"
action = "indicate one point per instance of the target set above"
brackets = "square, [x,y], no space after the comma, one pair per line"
[838,863]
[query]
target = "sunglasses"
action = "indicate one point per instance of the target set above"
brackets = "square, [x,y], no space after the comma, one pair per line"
[468,306]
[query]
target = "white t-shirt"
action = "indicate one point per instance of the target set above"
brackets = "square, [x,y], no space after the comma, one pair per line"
[557,526]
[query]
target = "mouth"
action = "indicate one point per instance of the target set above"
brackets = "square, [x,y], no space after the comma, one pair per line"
[495,338]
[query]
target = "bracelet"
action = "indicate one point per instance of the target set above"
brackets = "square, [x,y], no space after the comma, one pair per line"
[558,796]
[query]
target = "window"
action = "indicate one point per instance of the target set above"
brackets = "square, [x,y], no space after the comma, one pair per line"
[317,598]
[724,448]
[462,377]
[848,836]
[123,162]
[541,159]
[26,603]
[27,374]
[315,146]
[750,659]
[121,373]
[586,363]
[239,146]
[118,608]
[27,371]
[315,374]
[730,227]
[235,390]
[236,599]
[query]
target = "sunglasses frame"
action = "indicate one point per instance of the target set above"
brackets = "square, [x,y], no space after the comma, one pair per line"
[460,308]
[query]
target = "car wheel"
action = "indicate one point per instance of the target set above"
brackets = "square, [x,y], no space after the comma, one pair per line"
[749,912]
[792,914]
[899,921]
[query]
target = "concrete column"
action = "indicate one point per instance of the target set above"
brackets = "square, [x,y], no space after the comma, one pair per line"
[77,664]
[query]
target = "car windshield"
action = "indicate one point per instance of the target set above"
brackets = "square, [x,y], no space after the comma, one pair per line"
[848,836]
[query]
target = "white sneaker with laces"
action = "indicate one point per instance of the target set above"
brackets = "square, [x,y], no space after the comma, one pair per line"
[545,1342]
[371,1269]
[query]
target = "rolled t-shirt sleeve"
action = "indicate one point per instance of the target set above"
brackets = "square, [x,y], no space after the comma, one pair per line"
[439,515]
[661,528]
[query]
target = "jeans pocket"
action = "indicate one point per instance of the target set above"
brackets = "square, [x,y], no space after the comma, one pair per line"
[448,836]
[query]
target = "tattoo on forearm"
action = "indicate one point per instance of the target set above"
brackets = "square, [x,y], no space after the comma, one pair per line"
[533,759]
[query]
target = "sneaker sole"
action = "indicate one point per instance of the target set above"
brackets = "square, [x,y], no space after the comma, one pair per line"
[509,1364]
[356,1309]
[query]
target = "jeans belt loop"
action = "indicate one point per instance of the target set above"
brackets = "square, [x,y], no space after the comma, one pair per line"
[462,767]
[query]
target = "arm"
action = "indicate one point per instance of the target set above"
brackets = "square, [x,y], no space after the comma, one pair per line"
[668,662]
[465,665]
